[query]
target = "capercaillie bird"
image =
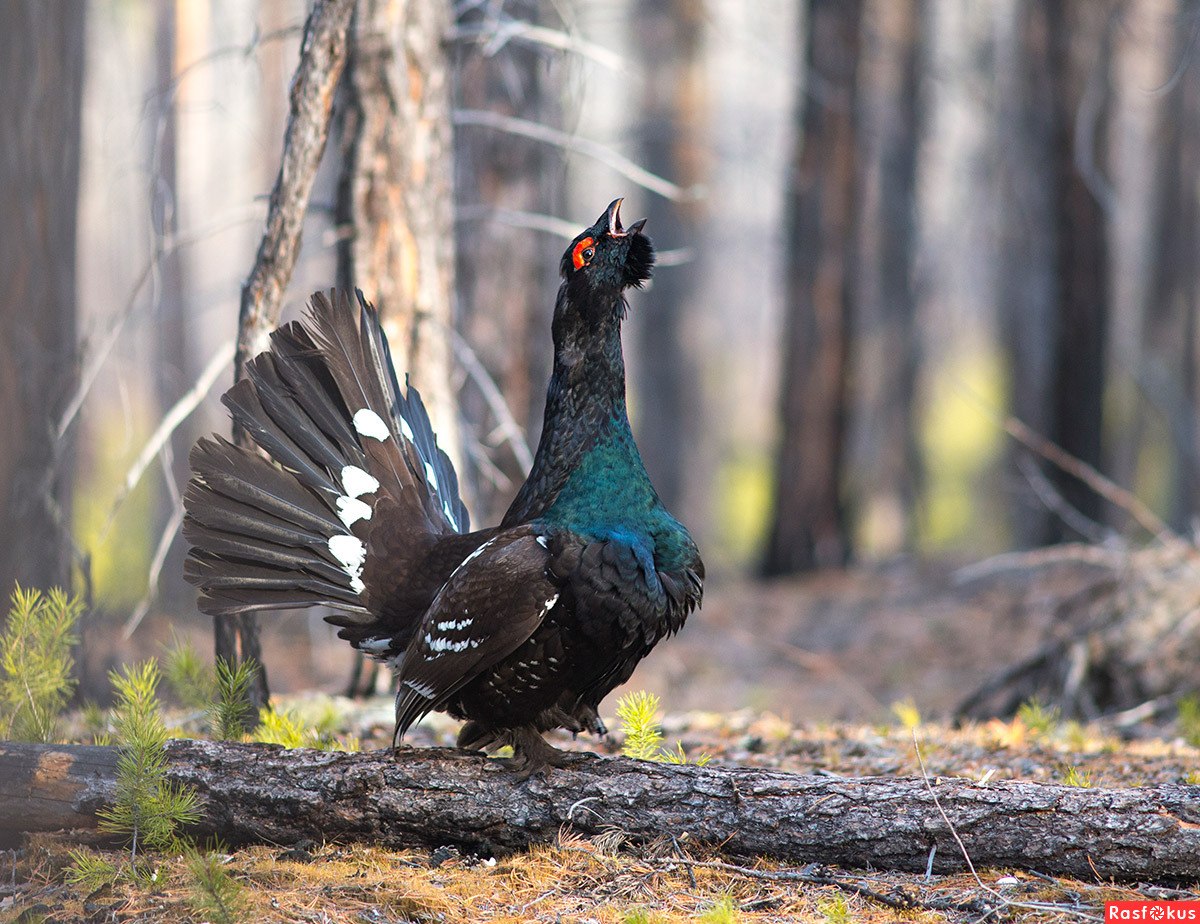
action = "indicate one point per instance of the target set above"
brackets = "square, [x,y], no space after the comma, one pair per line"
[518,628]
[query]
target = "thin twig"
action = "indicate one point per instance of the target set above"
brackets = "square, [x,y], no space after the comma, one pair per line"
[513,433]
[179,412]
[160,557]
[594,149]
[494,36]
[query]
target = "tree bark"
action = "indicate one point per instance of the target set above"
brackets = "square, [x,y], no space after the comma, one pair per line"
[428,798]
[395,204]
[809,527]
[669,35]
[506,275]
[887,465]
[322,56]
[41,64]
[1054,261]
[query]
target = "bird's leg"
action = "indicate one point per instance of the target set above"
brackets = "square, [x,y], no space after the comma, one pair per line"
[534,754]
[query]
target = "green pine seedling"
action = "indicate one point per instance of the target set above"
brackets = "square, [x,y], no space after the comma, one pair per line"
[216,895]
[36,663]
[147,809]
[231,710]
[644,740]
[192,681]
[91,871]
[638,713]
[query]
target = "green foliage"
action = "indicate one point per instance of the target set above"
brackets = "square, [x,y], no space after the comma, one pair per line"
[639,916]
[91,870]
[835,910]
[147,808]
[191,680]
[36,663]
[638,712]
[723,912]
[216,895]
[231,711]
[1073,776]
[1189,719]
[1193,778]
[907,714]
[289,730]
[1040,720]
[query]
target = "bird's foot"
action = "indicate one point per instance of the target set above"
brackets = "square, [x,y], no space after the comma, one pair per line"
[534,754]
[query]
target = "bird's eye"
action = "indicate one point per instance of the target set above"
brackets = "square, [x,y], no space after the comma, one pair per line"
[582,255]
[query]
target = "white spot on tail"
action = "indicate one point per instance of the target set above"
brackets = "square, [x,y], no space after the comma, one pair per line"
[543,542]
[375,646]
[549,605]
[351,553]
[431,476]
[421,689]
[453,520]
[406,430]
[368,423]
[356,482]
[351,510]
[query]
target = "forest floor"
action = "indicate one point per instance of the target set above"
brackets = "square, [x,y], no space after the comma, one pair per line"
[835,675]
[611,881]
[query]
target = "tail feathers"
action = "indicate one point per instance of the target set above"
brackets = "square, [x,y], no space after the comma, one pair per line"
[261,539]
[343,439]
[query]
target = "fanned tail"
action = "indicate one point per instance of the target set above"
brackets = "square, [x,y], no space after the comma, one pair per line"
[343,439]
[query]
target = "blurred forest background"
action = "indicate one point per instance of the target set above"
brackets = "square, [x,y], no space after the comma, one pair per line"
[884,226]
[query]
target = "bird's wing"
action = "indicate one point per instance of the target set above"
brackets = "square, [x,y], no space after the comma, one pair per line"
[489,606]
[621,607]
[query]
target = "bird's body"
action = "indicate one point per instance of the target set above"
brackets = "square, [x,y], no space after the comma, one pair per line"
[517,629]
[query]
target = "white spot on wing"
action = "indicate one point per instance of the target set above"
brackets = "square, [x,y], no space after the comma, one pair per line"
[452,625]
[549,604]
[375,646]
[351,510]
[356,482]
[543,542]
[421,689]
[351,553]
[368,423]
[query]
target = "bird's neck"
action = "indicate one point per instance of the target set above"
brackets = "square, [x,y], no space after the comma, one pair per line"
[586,445]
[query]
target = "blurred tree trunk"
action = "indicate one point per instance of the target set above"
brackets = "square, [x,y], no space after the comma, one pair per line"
[809,528]
[394,207]
[888,348]
[394,204]
[1054,261]
[506,275]
[1170,335]
[41,62]
[669,36]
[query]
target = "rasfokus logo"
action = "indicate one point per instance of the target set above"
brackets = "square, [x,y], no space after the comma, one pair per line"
[1154,912]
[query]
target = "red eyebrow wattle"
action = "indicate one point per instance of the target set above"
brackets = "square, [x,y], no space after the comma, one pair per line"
[577,253]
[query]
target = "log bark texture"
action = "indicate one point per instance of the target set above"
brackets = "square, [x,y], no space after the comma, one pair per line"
[427,798]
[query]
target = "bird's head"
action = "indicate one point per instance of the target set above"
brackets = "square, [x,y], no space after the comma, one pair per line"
[608,258]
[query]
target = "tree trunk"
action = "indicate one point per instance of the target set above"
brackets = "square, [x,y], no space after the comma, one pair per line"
[506,275]
[809,528]
[670,37]
[1054,264]
[395,207]
[429,798]
[322,56]
[888,346]
[41,59]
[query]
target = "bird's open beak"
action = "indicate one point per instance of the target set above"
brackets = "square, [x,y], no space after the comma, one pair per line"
[613,219]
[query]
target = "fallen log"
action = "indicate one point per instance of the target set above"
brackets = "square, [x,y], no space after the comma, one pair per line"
[434,797]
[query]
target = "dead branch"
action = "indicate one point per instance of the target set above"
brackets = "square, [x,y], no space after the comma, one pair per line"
[435,797]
